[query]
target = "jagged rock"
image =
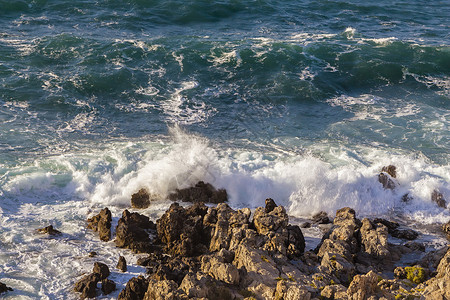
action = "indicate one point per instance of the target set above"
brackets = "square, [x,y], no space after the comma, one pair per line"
[339,266]
[92,254]
[391,170]
[101,269]
[4,288]
[163,290]
[270,205]
[346,228]
[141,199]
[446,229]
[438,198]
[406,234]
[272,221]
[219,269]
[101,223]
[292,291]
[135,289]
[172,269]
[181,230]
[389,224]
[345,216]
[132,232]
[202,286]
[374,239]
[305,225]
[386,181]
[49,230]
[321,218]
[366,286]
[431,259]
[335,292]
[335,246]
[201,192]
[406,198]
[122,264]
[108,286]
[414,246]
[400,273]
[87,285]
[439,286]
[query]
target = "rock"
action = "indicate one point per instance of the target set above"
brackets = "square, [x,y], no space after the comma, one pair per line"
[295,242]
[321,218]
[174,269]
[446,229]
[201,192]
[292,291]
[141,199]
[438,198]
[87,285]
[217,268]
[272,221]
[400,273]
[386,181]
[374,239]
[135,289]
[122,264]
[339,266]
[414,246]
[4,288]
[366,286]
[335,246]
[432,259]
[132,232]
[101,269]
[181,230]
[305,225]
[439,286]
[163,290]
[345,216]
[49,230]
[335,291]
[92,254]
[407,198]
[406,234]
[270,205]
[201,286]
[391,170]
[108,286]
[389,224]
[102,224]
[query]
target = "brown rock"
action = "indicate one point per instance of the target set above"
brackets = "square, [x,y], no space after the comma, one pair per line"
[101,269]
[201,192]
[364,286]
[4,288]
[141,199]
[164,290]
[374,239]
[321,218]
[49,230]
[132,232]
[270,205]
[272,221]
[135,289]
[122,264]
[438,198]
[386,181]
[87,285]
[391,170]
[335,291]
[439,287]
[102,224]
[108,286]
[406,234]
[446,229]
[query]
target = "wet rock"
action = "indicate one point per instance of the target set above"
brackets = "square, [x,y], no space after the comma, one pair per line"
[4,288]
[49,230]
[181,230]
[201,192]
[87,285]
[101,269]
[414,246]
[389,224]
[305,225]
[321,218]
[141,199]
[92,254]
[391,170]
[122,264]
[406,198]
[135,289]
[270,205]
[366,286]
[386,181]
[132,232]
[438,198]
[406,234]
[108,286]
[101,223]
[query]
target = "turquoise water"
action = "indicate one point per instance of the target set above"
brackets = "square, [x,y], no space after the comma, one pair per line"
[301,101]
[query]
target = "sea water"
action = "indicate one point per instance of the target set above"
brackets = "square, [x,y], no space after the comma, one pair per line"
[300,101]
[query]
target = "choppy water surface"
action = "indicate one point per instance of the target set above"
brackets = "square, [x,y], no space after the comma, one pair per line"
[301,101]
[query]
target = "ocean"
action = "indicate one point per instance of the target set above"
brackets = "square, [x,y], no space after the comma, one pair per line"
[300,101]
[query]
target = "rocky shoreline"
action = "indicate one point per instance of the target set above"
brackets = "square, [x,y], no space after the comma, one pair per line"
[216,252]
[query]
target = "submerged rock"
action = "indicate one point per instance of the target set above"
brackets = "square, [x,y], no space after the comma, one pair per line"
[132,232]
[108,286]
[122,264]
[438,198]
[201,192]
[49,230]
[141,199]
[4,288]
[101,223]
